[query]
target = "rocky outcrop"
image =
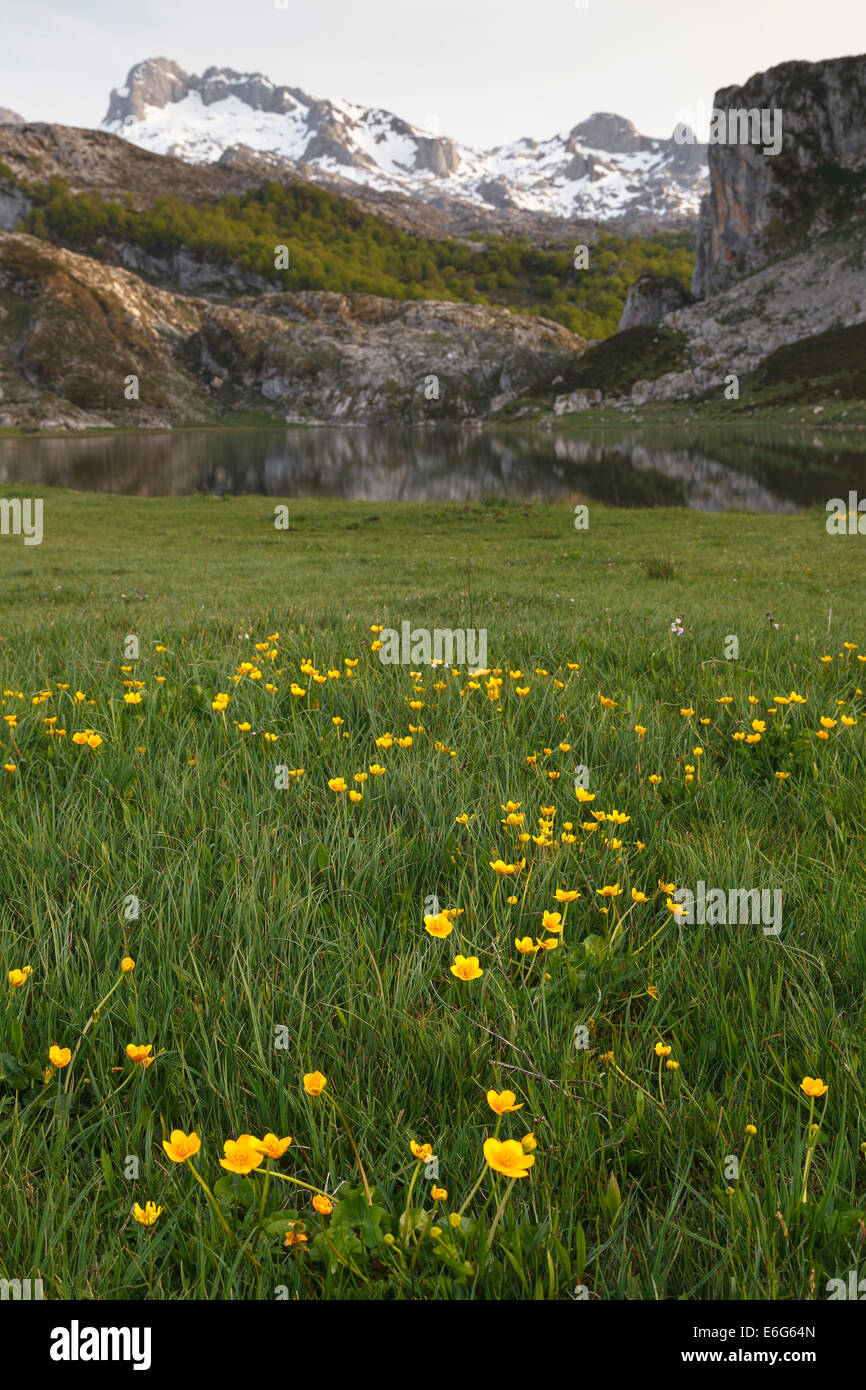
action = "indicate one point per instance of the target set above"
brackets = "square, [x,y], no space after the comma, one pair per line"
[94,160]
[75,332]
[155,82]
[762,205]
[8,117]
[574,401]
[651,298]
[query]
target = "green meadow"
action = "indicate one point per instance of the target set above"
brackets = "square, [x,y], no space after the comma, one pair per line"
[277,924]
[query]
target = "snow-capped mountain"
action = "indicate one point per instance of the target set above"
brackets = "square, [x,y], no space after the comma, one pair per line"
[602,170]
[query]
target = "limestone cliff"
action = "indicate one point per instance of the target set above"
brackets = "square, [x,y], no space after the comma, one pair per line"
[762,205]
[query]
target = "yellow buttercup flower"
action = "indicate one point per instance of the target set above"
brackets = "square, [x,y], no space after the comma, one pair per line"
[423,1152]
[323,1205]
[813,1086]
[181,1146]
[439,1194]
[271,1146]
[59,1056]
[552,921]
[242,1155]
[314,1083]
[525,945]
[127,964]
[508,1157]
[466,968]
[662,1049]
[148,1215]
[140,1053]
[17,978]
[439,925]
[503,1102]
[500,867]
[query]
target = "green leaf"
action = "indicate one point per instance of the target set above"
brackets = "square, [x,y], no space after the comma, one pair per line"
[276,1223]
[612,1198]
[233,1190]
[579,1251]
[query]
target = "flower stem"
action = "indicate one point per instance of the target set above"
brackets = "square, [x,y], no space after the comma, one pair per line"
[265,1187]
[498,1215]
[405,1222]
[354,1149]
[214,1203]
[809,1151]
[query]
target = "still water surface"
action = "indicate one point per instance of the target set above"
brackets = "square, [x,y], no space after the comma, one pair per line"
[710,470]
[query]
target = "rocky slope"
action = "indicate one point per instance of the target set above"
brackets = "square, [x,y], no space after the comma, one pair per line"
[8,117]
[99,161]
[601,170]
[73,331]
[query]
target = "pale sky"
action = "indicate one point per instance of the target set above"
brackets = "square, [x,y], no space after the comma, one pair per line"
[487,71]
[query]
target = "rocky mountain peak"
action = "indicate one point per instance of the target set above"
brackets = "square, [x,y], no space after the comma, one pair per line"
[605,131]
[155,82]
[8,117]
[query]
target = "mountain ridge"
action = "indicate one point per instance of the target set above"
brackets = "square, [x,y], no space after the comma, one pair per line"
[603,169]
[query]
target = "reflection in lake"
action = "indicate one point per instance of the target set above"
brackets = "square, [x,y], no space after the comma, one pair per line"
[710,470]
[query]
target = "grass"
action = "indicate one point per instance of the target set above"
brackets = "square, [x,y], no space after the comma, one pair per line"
[280,931]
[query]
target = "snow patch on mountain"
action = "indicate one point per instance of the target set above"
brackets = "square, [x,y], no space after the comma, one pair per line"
[601,170]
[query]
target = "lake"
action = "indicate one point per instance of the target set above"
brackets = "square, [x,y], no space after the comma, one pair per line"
[739,468]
